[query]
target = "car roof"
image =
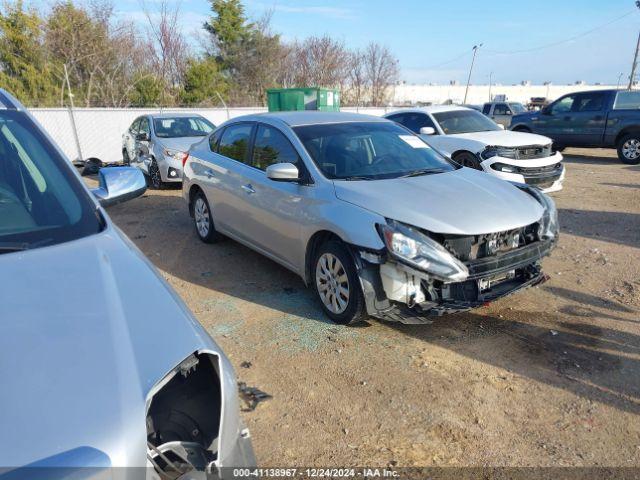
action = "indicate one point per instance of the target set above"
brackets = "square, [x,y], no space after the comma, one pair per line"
[432,109]
[311,117]
[174,115]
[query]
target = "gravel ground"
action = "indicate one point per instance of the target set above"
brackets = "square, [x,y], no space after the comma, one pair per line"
[548,376]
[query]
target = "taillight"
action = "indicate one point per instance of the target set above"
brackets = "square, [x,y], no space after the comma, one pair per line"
[184,159]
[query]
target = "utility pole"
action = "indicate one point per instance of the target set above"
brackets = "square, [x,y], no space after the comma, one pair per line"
[635,57]
[475,50]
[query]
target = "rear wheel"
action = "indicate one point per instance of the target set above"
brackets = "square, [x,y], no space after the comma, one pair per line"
[629,149]
[337,284]
[203,219]
[467,159]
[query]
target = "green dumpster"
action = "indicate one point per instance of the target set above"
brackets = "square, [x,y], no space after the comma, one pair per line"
[291,99]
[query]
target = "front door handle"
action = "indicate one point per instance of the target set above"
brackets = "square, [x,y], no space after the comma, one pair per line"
[248,189]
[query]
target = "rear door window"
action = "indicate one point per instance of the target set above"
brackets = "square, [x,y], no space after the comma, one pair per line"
[214,139]
[486,109]
[627,100]
[234,142]
[271,147]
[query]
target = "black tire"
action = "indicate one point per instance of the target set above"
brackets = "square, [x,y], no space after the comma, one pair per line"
[210,234]
[355,310]
[154,177]
[126,161]
[629,148]
[467,159]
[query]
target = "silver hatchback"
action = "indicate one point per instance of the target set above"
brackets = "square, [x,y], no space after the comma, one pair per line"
[366,212]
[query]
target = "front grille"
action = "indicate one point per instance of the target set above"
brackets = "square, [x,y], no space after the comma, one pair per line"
[541,176]
[472,247]
[534,151]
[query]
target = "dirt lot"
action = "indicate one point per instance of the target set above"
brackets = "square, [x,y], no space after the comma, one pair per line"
[549,376]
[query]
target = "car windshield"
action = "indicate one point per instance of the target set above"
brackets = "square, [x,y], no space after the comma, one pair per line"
[369,151]
[41,201]
[517,108]
[182,127]
[464,121]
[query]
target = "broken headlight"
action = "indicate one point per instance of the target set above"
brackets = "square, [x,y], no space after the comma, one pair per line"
[549,226]
[175,154]
[504,152]
[418,250]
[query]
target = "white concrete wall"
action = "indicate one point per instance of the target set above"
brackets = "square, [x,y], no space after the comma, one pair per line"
[100,129]
[437,94]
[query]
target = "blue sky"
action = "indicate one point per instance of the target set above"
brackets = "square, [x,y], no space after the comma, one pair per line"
[424,34]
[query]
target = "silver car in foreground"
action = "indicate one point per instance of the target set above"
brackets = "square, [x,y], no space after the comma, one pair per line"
[156,144]
[101,364]
[365,211]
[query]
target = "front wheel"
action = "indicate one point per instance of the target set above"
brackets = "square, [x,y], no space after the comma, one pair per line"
[337,284]
[155,180]
[629,149]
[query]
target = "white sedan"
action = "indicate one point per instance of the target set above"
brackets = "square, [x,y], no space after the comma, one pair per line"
[475,141]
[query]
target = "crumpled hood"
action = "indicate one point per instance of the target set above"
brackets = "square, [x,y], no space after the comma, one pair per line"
[86,329]
[505,138]
[182,144]
[464,201]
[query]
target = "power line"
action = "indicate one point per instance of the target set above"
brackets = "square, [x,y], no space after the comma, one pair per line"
[447,62]
[560,42]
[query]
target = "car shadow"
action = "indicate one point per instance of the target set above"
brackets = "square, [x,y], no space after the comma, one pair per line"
[603,226]
[593,362]
[622,185]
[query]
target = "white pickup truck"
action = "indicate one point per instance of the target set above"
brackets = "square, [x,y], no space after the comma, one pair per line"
[473,140]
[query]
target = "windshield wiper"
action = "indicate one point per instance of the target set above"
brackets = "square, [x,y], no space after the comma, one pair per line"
[355,177]
[10,247]
[423,171]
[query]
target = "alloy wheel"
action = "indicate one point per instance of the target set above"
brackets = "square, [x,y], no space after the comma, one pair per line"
[332,283]
[631,148]
[154,174]
[201,215]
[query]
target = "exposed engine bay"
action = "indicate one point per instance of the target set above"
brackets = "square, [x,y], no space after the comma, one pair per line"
[497,264]
[183,419]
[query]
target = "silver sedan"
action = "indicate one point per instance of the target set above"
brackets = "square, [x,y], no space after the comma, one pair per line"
[102,365]
[367,213]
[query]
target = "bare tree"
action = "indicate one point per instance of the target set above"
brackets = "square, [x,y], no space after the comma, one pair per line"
[382,72]
[320,61]
[356,89]
[167,44]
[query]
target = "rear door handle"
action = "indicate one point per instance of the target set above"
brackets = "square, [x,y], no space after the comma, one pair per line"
[209,173]
[248,189]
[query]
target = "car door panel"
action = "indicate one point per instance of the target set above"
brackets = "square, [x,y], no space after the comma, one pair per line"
[502,114]
[586,121]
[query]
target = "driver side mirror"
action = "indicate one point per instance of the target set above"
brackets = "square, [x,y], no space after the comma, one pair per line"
[119,184]
[142,137]
[283,172]
[427,131]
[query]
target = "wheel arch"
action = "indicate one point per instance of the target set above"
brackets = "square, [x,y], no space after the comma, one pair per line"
[193,191]
[317,239]
[521,128]
[625,131]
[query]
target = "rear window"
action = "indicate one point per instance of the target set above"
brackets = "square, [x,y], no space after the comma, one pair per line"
[627,100]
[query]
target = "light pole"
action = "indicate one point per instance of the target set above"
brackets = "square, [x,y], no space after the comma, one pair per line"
[490,84]
[619,78]
[475,50]
[635,57]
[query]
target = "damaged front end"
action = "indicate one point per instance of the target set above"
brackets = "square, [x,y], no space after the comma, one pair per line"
[186,415]
[421,274]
